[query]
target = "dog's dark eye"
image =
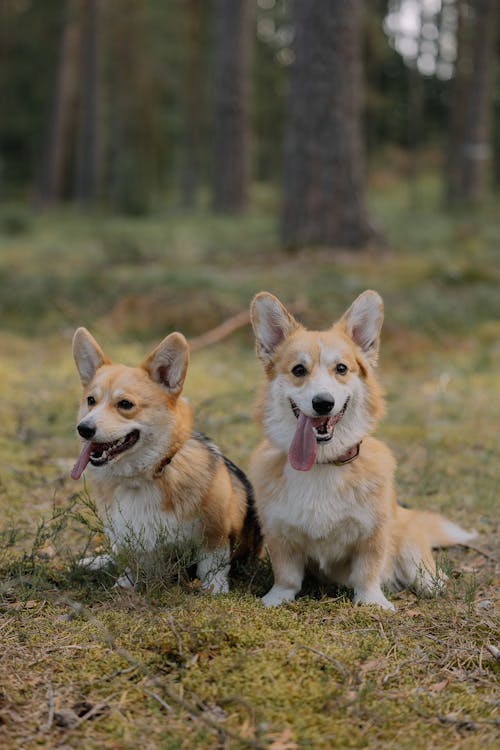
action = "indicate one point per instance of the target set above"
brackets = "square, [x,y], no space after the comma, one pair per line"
[90,401]
[125,404]
[341,369]
[299,371]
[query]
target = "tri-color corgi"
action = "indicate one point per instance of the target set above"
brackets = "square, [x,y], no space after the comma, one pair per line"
[324,487]
[153,476]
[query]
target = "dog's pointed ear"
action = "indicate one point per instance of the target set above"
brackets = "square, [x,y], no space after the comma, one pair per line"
[363,321]
[271,322]
[167,364]
[88,355]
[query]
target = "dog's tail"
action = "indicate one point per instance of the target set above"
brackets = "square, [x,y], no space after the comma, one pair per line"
[251,534]
[437,530]
[250,541]
[441,532]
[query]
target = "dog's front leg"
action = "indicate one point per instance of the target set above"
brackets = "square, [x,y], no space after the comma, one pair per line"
[288,562]
[213,569]
[367,570]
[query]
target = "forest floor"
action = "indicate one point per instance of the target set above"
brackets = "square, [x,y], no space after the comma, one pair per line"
[84,665]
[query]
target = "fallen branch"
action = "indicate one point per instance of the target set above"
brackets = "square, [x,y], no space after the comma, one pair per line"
[221,331]
[235,322]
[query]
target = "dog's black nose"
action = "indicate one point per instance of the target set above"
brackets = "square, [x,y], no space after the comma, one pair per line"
[86,430]
[323,403]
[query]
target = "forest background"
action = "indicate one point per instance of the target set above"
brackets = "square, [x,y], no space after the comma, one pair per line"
[160,163]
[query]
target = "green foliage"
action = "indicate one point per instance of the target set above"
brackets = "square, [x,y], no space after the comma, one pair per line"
[15,219]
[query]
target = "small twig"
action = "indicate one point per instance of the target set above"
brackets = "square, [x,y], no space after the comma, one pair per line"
[481,552]
[467,723]
[337,664]
[460,723]
[176,635]
[94,710]
[50,707]
[159,699]
[494,651]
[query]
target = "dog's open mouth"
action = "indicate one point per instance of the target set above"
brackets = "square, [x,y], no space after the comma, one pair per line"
[102,453]
[309,432]
[323,427]
[99,454]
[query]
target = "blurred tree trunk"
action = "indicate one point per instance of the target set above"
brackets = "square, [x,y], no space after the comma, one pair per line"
[324,191]
[129,107]
[192,104]
[57,149]
[233,43]
[87,184]
[469,149]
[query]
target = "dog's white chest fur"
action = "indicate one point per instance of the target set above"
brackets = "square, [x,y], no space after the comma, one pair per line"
[321,511]
[135,517]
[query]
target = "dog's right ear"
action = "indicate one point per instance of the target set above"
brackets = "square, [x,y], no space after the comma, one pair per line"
[88,355]
[167,364]
[272,323]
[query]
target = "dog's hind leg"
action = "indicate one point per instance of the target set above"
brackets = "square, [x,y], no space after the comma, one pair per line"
[288,563]
[414,568]
[413,563]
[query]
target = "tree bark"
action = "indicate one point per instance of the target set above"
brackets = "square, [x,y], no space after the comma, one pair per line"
[469,148]
[192,104]
[89,153]
[57,152]
[324,191]
[233,42]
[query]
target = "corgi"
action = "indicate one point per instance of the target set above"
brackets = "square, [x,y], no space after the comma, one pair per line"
[152,474]
[324,487]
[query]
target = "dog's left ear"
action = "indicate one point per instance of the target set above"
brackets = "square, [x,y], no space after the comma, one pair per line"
[167,364]
[272,323]
[88,355]
[363,321]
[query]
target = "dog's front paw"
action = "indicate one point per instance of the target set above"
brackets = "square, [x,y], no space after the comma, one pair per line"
[277,595]
[374,596]
[216,585]
[125,581]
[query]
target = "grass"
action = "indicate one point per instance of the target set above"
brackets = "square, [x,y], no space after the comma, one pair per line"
[165,665]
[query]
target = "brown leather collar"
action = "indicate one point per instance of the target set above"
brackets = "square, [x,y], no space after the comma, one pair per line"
[164,462]
[350,455]
[174,449]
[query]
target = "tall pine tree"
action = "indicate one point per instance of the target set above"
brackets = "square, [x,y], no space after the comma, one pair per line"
[324,190]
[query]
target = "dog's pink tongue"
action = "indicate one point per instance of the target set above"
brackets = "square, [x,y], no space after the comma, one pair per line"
[82,461]
[304,446]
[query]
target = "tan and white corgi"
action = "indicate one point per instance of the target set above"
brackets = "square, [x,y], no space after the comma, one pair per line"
[153,475]
[324,487]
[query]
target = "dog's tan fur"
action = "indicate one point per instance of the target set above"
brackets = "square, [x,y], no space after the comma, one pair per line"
[172,481]
[343,518]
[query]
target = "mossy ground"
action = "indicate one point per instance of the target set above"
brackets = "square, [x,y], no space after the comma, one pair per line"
[167,666]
